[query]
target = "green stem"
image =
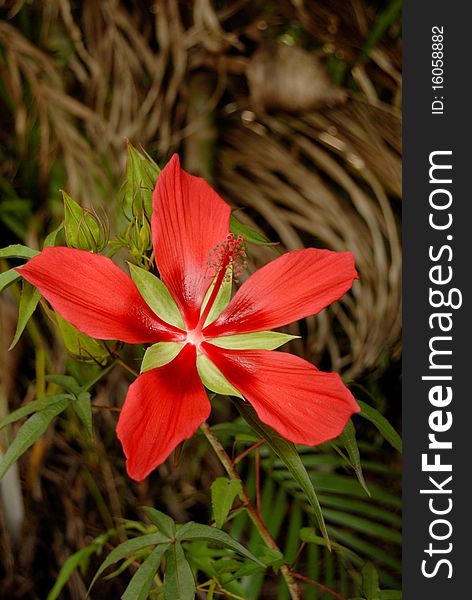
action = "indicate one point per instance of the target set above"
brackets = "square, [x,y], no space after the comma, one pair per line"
[225,460]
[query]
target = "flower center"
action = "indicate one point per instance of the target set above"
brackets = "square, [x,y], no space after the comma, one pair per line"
[195,337]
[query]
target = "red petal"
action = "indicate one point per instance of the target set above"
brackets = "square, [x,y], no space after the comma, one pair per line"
[293,286]
[289,394]
[188,221]
[163,407]
[96,296]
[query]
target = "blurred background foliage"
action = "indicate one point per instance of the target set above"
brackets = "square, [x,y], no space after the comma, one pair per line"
[292,110]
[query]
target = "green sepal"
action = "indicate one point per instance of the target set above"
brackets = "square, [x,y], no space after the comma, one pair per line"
[81,229]
[157,296]
[213,379]
[80,345]
[141,176]
[160,354]
[260,340]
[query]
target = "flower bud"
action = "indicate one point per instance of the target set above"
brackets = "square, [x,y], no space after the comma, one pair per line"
[83,230]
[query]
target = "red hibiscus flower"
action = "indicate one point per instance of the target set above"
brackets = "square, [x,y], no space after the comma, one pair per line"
[195,254]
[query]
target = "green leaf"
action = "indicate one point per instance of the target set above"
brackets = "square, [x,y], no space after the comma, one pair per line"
[65,381]
[141,581]
[141,176]
[348,439]
[179,583]
[370,581]
[7,278]
[222,298]
[78,559]
[81,229]
[28,302]
[308,535]
[31,431]
[127,549]
[213,378]
[79,344]
[18,251]
[261,340]
[160,354]
[390,595]
[83,408]
[196,531]
[223,493]
[34,406]
[50,239]
[287,452]
[249,234]
[162,521]
[384,427]
[157,296]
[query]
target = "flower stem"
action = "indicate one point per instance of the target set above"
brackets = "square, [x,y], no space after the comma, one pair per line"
[225,460]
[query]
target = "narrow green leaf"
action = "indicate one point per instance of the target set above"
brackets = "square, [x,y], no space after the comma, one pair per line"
[78,559]
[287,452]
[83,408]
[308,535]
[141,581]
[18,251]
[28,433]
[384,427]
[249,234]
[127,549]
[196,531]
[370,581]
[160,354]
[34,406]
[67,382]
[28,302]
[213,378]
[390,595]
[179,583]
[7,278]
[261,340]
[348,439]
[163,522]
[157,296]
[50,239]
[222,298]
[223,493]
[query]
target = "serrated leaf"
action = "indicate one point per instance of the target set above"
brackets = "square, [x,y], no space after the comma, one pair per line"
[141,176]
[370,581]
[163,522]
[222,298]
[223,493]
[287,452]
[7,278]
[160,354]
[18,251]
[179,583]
[348,439]
[81,229]
[196,531]
[28,302]
[127,549]
[82,405]
[79,344]
[29,432]
[249,234]
[34,406]
[157,296]
[213,378]
[260,340]
[141,581]
[381,423]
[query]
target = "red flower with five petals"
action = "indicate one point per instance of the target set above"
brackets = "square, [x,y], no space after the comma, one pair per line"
[193,249]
